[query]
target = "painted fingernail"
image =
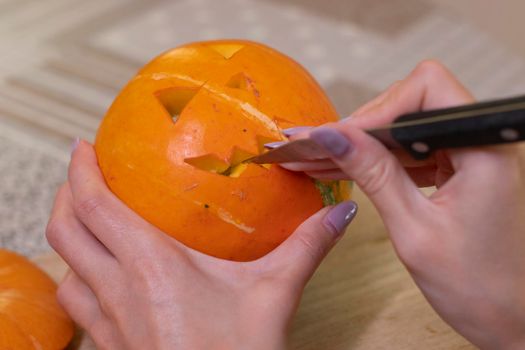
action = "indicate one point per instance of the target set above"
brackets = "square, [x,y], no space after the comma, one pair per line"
[74,145]
[332,141]
[296,130]
[340,216]
[273,145]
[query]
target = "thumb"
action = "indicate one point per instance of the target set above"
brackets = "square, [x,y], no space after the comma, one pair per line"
[303,251]
[377,171]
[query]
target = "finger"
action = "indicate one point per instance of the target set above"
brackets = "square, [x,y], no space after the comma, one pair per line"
[121,230]
[304,250]
[328,175]
[483,168]
[409,162]
[430,85]
[445,168]
[325,164]
[374,102]
[297,132]
[86,255]
[300,132]
[423,176]
[83,307]
[377,172]
[78,300]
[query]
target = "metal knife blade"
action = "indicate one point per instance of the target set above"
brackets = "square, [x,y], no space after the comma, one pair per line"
[303,149]
[308,150]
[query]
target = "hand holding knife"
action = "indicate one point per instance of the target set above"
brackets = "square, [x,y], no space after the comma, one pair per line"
[421,133]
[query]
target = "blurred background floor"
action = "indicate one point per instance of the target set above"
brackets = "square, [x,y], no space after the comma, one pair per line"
[502,19]
[63,61]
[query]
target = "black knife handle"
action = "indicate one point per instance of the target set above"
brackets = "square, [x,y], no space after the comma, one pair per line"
[486,123]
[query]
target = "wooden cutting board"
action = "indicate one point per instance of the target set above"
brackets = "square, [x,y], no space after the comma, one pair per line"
[360,298]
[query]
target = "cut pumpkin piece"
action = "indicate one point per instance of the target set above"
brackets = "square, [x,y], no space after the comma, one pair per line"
[239,155]
[263,140]
[208,162]
[212,163]
[237,170]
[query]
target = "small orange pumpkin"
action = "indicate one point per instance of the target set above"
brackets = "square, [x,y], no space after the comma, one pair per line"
[173,143]
[30,316]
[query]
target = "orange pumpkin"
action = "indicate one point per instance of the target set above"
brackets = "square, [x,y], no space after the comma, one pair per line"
[30,317]
[173,143]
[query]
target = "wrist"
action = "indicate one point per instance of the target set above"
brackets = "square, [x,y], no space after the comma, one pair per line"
[261,334]
[236,340]
[264,317]
[504,332]
[517,342]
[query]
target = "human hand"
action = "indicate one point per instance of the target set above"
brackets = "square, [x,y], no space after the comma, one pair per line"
[464,244]
[134,287]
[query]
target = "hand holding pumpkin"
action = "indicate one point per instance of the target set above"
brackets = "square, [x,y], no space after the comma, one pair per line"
[464,244]
[134,287]
[172,146]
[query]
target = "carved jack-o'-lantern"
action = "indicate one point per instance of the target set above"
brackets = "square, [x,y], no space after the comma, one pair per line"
[173,143]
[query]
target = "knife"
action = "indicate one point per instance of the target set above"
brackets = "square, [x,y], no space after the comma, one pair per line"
[420,134]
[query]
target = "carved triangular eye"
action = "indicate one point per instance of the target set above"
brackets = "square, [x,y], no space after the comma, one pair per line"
[175,99]
[239,81]
[226,50]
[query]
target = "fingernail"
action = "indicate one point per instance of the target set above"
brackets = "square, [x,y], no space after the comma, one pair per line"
[295,130]
[332,141]
[340,216]
[273,145]
[74,145]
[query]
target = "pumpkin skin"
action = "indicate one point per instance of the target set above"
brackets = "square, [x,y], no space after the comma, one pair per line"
[228,97]
[30,316]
